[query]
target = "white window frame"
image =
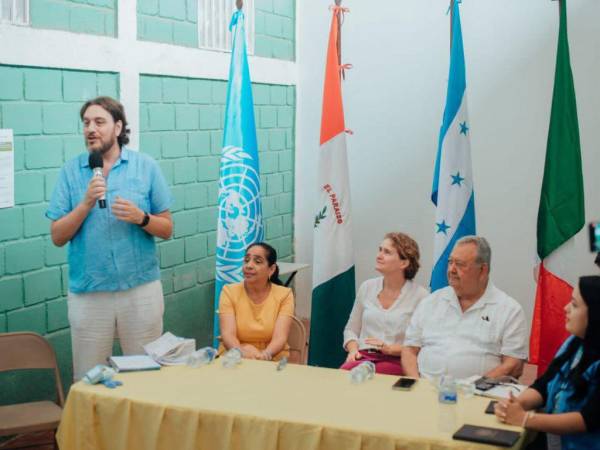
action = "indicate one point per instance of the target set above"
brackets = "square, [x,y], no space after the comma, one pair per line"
[13,20]
[220,36]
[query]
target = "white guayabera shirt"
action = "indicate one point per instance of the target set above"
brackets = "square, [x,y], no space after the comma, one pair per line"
[463,344]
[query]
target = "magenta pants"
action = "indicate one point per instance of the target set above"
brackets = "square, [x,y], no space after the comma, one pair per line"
[387,364]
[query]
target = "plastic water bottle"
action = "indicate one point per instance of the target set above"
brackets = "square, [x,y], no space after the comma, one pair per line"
[435,371]
[201,357]
[99,374]
[364,371]
[447,397]
[232,358]
[466,388]
[282,364]
[447,393]
[447,417]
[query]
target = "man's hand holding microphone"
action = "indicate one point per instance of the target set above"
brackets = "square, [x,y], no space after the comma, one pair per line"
[96,190]
[122,209]
[97,187]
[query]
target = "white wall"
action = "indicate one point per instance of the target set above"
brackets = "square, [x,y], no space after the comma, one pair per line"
[394,99]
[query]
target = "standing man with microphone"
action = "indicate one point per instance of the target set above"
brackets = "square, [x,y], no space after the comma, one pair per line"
[109,203]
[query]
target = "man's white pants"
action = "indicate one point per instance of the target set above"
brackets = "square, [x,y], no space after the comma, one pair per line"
[134,315]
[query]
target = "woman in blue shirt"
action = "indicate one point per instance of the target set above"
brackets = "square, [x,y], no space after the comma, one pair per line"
[569,391]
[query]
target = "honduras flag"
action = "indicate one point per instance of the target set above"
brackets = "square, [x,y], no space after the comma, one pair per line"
[240,213]
[452,192]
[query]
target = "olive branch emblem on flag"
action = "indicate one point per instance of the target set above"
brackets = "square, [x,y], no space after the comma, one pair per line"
[320,216]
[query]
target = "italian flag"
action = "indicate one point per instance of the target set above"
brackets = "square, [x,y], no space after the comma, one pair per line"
[561,212]
[333,260]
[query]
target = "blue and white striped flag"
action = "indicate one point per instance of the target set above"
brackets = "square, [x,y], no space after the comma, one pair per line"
[240,213]
[453,192]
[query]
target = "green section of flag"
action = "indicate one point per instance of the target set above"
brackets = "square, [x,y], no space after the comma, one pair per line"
[561,212]
[331,305]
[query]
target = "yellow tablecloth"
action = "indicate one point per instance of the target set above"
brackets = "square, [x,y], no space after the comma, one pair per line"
[255,407]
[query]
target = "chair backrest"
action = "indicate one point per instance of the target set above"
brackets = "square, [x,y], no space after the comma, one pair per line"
[297,342]
[29,351]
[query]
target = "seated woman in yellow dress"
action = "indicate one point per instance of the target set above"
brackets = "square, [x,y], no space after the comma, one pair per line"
[256,314]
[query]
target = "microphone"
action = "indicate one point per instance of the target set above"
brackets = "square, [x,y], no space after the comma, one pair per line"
[96,164]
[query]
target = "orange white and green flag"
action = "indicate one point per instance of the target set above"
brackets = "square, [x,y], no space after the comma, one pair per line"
[333,260]
[561,213]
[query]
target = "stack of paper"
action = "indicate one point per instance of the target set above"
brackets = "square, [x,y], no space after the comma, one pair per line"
[133,363]
[170,350]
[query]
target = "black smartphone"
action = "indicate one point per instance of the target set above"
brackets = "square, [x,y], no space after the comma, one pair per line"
[483,384]
[490,407]
[404,384]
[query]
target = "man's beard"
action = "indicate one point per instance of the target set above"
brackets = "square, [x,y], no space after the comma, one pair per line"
[104,147]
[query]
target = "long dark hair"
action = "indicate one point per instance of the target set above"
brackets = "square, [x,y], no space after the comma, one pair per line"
[271,259]
[590,292]
[115,109]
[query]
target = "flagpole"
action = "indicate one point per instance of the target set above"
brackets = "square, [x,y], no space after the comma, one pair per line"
[559,2]
[452,2]
[451,20]
[338,3]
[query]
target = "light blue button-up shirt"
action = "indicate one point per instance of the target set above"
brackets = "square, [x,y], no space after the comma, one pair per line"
[107,254]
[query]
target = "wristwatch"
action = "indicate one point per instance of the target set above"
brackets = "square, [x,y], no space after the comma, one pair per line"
[145,221]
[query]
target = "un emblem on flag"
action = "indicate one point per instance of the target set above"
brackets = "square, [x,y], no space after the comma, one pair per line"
[240,215]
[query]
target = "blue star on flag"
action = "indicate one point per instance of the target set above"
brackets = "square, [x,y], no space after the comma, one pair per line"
[464,128]
[457,179]
[442,227]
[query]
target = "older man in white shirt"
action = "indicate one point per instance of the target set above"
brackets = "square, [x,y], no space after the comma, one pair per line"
[470,327]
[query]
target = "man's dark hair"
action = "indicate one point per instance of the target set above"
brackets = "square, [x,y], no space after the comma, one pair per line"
[115,109]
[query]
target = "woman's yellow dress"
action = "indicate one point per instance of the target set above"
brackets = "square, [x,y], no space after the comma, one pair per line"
[255,322]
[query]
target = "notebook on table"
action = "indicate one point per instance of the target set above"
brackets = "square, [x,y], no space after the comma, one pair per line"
[487,435]
[133,363]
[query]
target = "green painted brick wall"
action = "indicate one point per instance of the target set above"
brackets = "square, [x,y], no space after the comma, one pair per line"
[275,29]
[42,107]
[79,16]
[169,21]
[175,22]
[181,126]
[181,123]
